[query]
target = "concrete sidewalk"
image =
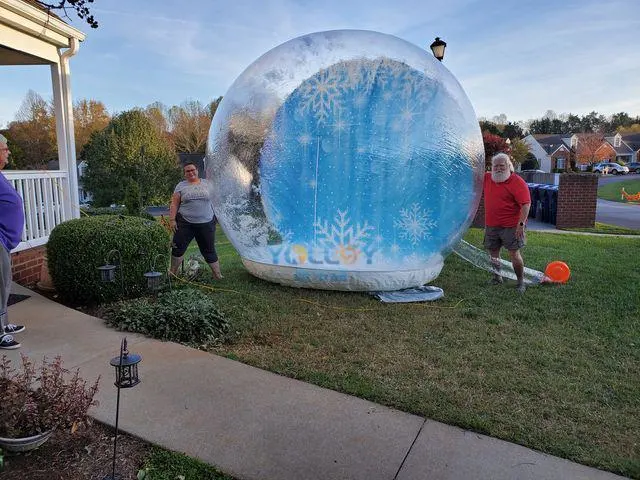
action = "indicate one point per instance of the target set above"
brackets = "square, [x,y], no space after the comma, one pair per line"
[256,425]
[535,226]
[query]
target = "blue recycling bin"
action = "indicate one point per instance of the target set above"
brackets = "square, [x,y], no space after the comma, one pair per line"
[544,198]
[534,192]
[552,191]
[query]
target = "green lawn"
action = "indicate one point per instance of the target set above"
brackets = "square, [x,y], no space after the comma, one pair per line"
[166,465]
[557,369]
[611,191]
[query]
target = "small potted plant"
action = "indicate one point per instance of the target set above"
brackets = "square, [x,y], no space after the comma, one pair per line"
[36,401]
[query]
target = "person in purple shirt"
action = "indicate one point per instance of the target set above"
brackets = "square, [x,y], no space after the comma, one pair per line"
[11,225]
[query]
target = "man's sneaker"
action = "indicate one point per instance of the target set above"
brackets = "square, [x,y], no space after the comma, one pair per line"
[521,287]
[497,280]
[8,343]
[13,328]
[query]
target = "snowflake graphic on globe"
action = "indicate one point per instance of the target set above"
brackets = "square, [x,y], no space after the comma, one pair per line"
[415,224]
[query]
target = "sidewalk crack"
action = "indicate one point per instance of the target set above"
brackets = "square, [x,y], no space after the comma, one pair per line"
[424,421]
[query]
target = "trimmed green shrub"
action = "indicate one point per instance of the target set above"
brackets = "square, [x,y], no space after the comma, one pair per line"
[94,211]
[78,247]
[186,315]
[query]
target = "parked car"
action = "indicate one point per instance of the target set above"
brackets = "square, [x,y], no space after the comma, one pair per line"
[610,167]
[634,167]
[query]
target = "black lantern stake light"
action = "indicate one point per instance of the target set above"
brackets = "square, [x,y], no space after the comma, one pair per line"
[438,47]
[154,278]
[108,270]
[126,365]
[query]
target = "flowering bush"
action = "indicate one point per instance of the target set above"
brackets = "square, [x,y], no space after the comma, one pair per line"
[34,400]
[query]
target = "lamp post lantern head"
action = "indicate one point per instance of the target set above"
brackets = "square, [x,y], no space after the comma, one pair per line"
[107,273]
[126,366]
[437,47]
[154,281]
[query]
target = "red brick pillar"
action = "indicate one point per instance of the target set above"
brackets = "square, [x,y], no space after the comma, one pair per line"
[27,264]
[577,200]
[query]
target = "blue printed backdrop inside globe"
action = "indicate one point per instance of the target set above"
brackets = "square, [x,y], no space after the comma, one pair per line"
[367,155]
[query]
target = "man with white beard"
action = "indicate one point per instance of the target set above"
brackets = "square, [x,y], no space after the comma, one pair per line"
[506,208]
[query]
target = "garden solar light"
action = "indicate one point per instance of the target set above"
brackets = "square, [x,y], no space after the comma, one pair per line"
[154,278]
[437,47]
[126,365]
[107,273]
[108,270]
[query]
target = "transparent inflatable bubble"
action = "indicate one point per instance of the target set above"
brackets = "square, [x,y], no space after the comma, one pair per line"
[347,160]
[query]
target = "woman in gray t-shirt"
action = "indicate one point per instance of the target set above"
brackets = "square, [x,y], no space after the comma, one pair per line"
[191,216]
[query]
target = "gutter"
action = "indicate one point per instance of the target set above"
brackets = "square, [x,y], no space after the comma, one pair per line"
[71,51]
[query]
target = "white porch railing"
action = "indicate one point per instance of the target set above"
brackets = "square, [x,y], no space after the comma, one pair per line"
[47,203]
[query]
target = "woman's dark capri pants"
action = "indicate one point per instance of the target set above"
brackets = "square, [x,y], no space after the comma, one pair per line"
[204,233]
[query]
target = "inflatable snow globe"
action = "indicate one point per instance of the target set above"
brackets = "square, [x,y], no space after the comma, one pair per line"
[347,160]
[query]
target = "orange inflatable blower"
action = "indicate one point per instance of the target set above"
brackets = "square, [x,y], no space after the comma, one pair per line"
[557,272]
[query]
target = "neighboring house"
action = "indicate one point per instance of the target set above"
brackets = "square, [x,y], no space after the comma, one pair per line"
[591,148]
[556,152]
[83,195]
[552,151]
[633,142]
[623,151]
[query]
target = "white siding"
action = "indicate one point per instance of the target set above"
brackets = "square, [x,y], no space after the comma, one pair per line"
[539,152]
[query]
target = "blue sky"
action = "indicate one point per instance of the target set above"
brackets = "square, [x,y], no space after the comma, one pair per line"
[516,57]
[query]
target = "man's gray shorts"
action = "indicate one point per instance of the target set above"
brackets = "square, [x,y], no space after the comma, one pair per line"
[496,237]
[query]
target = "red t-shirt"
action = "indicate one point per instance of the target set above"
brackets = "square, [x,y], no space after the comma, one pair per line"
[502,201]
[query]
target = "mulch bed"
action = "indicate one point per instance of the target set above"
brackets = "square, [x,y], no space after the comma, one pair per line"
[86,455]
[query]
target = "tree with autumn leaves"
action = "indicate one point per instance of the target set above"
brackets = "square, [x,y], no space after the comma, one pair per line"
[493,144]
[32,135]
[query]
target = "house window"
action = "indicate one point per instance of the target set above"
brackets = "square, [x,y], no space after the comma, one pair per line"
[560,163]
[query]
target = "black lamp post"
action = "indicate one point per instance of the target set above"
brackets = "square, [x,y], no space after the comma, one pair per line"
[437,47]
[126,365]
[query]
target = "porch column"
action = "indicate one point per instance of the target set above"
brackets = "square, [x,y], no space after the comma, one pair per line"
[61,138]
[63,104]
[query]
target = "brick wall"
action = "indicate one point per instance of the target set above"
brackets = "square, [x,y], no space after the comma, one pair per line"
[577,200]
[27,264]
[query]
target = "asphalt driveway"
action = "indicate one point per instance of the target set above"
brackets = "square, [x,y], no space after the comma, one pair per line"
[614,213]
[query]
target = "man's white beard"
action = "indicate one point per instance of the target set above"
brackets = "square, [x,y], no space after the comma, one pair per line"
[500,177]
